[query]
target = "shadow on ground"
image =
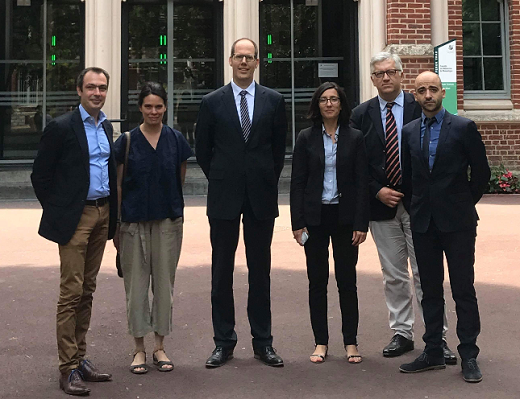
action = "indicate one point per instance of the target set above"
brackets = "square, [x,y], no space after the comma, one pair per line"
[28,349]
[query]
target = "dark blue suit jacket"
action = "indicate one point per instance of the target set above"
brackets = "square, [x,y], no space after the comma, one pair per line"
[233,167]
[447,194]
[61,177]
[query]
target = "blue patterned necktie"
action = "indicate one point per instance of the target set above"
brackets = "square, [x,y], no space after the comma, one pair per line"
[244,116]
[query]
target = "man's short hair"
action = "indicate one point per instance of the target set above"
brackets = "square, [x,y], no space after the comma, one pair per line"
[238,40]
[382,56]
[81,76]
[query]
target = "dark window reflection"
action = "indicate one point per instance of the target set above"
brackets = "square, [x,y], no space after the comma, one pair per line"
[23,111]
[195,44]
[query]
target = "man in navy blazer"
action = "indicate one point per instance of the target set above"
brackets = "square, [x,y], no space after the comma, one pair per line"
[240,146]
[445,173]
[74,178]
[389,220]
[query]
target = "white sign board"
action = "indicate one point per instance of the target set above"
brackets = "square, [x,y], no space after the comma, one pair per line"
[327,70]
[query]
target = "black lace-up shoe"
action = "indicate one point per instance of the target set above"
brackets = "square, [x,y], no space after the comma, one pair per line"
[471,371]
[423,363]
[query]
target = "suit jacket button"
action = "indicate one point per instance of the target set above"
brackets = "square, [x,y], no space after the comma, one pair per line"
[340,195]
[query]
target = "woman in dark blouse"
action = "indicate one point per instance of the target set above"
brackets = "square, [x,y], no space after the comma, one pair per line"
[150,234]
[329,201]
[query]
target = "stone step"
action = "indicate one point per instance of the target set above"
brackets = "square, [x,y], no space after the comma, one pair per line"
[15,182]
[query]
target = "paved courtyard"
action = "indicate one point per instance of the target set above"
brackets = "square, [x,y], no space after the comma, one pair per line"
[29,279]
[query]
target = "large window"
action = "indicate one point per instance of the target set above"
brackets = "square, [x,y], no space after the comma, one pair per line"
[485,55]
[177,43]
[304,43]
[41,53]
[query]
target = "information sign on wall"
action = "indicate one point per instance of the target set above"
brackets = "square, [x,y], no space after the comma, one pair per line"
[445,65]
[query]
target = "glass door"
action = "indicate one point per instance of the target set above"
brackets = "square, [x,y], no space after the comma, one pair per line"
[41,53]
[176,43]
[303,44]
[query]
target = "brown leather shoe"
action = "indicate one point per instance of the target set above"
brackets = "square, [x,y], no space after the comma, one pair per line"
[90,373]
[72,384]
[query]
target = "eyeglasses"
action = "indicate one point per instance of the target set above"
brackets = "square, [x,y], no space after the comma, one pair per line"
[389,72]
[240,57]
[333,100]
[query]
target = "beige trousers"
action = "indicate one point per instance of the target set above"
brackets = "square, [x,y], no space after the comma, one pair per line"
[80,260]
[150,250]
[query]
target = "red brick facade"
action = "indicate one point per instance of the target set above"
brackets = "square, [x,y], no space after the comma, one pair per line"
[408,23]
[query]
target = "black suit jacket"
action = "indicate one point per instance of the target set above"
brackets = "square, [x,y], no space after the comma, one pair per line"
[308,169]
[367,118]
[61,177]
[445,194]
[234,168]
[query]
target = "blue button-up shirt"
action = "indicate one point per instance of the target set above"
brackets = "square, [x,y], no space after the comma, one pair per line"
[99,152]
[435,130]
[398,111]
[330,183]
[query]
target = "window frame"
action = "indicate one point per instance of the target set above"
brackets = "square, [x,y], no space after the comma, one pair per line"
[506,70]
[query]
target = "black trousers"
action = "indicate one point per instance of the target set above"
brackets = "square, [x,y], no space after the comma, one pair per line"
[459,248]
[345,260]
[258,235]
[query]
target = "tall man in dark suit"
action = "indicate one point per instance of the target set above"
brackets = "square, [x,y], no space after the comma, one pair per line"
[74,178]
[381,120]
[240,146]
[437,151]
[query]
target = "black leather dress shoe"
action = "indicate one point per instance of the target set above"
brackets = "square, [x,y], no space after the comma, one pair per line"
[219,357]
[423,363]
[90,373]
[72,384]
[449,356]
[268,356]
[471,371]
[397,346]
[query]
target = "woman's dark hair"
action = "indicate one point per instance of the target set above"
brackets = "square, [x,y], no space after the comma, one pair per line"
[152,88]
[314,113]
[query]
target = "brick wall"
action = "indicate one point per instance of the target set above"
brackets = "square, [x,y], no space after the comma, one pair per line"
[408,22]
[502,142]
[514,51]
[413,66]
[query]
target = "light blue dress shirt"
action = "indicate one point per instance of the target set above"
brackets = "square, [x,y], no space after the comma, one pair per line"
[250,97]
[398,111]
[330,183]
[99,152]
[435,131]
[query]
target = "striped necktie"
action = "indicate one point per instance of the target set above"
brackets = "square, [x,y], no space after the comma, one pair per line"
[244,115]
[393,168]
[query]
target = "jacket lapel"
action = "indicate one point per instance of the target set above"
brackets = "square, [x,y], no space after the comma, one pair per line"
[375,114]
[408,108]
[79,130]
[260,98]
[229,102]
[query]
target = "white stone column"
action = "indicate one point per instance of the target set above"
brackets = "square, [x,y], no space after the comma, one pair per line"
[439,21]
[372,39]
[103,47]
[241,19]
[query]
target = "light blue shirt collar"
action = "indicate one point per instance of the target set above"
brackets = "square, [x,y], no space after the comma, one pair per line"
[399,100]
[85,115]
[250,89]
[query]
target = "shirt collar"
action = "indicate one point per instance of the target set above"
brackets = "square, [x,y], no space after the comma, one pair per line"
[439,116]
[85,115]
[399,100]
[250,89]
[323,131]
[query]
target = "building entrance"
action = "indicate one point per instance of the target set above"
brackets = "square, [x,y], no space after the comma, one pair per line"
[304,43]
[177,43]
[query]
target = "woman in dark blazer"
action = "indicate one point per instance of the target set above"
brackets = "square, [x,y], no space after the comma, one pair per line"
[329,201]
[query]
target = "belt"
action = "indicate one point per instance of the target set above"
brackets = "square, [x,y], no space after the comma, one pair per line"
[97,202]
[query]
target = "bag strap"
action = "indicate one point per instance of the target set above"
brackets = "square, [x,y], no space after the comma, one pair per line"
[127,150]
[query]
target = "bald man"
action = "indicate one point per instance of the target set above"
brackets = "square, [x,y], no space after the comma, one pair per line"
[438,150]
